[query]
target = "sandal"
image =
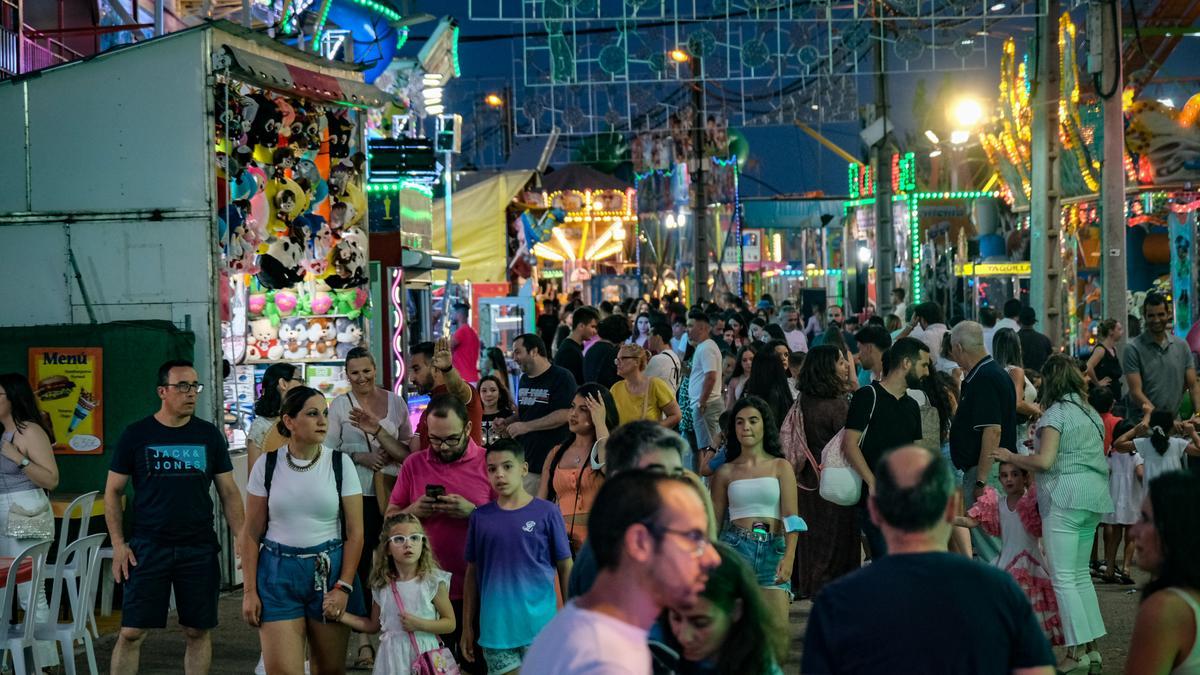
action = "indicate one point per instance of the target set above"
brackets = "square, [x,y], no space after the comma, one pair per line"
[365,662]
[1124,578]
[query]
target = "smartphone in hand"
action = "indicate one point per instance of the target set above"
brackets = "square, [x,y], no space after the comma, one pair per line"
[435,491]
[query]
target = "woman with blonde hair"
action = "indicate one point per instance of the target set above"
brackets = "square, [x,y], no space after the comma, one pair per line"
[639,397]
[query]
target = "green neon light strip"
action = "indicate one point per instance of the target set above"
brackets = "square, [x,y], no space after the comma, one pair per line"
[402,38]
[397,187]
[316,43]
[454,52]
[287,16]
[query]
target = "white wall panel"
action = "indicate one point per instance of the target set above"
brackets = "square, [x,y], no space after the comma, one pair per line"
[35,272]
[12,148]
[123,131]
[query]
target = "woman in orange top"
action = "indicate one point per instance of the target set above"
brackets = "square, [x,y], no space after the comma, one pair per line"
[568,477]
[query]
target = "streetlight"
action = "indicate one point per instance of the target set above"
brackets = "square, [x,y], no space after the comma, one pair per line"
[494,100]
[967,113]
[679,56]
[933,138]
[959,136]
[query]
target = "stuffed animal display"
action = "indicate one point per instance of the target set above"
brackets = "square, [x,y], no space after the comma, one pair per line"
[292,218]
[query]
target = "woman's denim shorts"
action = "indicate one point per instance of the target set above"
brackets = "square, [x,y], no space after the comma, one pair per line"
[287,581]
[763,552]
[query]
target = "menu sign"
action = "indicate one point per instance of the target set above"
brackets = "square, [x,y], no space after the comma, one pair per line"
[66,384]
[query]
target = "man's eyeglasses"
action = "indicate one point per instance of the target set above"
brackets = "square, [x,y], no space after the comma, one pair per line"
[448,442]
[185,387]
[697,538]
[402,539]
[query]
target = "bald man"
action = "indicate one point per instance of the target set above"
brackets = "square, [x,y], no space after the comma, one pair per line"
[986,419]
[922,609]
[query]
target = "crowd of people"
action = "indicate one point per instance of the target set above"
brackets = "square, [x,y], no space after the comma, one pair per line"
[658,486]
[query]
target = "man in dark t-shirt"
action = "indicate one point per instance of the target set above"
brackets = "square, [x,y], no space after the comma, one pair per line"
[986,419]
[544,396]
[173,458]
[922,609]
[570,351]
[1035,347]
[883,416]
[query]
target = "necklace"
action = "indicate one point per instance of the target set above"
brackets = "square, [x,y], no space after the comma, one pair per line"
[301,468]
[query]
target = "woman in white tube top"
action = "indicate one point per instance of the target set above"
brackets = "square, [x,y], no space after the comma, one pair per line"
[758,488]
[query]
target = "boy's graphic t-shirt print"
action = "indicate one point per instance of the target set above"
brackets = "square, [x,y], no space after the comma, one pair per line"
[171,470]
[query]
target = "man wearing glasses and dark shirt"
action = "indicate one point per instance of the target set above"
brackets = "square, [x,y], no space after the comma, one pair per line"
[173,458]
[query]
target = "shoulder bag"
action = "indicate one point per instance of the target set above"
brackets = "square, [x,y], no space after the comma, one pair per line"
[840,483]
[433,662]
[29,522]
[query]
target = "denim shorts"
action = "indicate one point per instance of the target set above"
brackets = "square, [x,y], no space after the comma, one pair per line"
[287,581]
[763,552]
[501,661]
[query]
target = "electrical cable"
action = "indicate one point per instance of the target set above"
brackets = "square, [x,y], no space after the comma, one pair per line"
[1116,80]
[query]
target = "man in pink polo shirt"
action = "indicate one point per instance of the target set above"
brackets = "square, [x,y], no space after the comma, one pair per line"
[454,466]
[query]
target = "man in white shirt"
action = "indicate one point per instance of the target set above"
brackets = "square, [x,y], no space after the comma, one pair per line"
[679,336]
[792,332]
[664,364]
[928,326]
[899,307]
[649,533]
[1012,310]
[704,384]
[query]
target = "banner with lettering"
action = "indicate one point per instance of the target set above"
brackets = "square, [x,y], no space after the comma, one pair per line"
[66,384]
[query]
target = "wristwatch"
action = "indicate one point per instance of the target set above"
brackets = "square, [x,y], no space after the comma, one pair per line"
[25,462]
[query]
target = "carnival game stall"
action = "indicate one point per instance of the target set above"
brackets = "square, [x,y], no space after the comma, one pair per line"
[292,220]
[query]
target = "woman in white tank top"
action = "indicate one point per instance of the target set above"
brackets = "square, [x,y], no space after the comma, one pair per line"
[757,487]
[1166,635]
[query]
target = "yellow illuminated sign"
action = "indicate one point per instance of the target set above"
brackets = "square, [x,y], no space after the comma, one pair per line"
[992,269]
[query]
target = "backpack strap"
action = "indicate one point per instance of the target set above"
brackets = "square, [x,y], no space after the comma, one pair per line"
[337,484]
[273,459]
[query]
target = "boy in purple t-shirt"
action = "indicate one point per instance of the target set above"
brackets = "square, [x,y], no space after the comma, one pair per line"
[516,546]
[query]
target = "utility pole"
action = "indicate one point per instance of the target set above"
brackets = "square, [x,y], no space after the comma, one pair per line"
[700,198]
[885,233]
[1113,274]
[1045,283]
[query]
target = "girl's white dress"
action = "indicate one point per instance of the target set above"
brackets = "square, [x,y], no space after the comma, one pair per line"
[396,653]
[1157,464]
[1125,488]
[1019,530]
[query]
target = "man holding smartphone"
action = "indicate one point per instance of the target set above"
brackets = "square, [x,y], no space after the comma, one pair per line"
[442,484]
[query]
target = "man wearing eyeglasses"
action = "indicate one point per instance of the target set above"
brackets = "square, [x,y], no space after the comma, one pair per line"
[173,458]
[651,539]
[442,485]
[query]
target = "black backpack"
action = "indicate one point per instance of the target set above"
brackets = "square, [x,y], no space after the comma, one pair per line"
[273,459]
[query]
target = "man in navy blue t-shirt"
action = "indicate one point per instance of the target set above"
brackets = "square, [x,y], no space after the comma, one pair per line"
[173,458]
[921,609]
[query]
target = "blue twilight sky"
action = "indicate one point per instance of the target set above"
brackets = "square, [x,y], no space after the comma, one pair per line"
[783,158]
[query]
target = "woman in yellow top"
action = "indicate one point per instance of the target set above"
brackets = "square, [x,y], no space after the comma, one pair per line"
[639,397]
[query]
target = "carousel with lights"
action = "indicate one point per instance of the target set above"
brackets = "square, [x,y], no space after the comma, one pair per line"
[1162,166]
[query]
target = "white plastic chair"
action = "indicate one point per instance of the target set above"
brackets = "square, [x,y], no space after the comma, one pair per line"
[83,505]
[18,639]
[82,555]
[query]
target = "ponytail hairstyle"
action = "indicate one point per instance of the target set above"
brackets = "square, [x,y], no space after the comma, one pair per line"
[1161,424]
[269,403]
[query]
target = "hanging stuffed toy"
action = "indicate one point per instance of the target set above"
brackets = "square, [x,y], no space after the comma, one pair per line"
[349,265]
[287,117]
[280,266]
[243,240]
[341,130]
[287,201]
[264,124]
[318,189]
[282,161]
[319,243]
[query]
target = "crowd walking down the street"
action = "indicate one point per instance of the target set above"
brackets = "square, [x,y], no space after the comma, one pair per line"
[671,520]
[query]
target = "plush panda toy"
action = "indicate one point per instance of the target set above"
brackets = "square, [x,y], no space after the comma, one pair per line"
[280,266]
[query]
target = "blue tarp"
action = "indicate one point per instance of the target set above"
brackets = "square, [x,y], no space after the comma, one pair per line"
[790,214]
